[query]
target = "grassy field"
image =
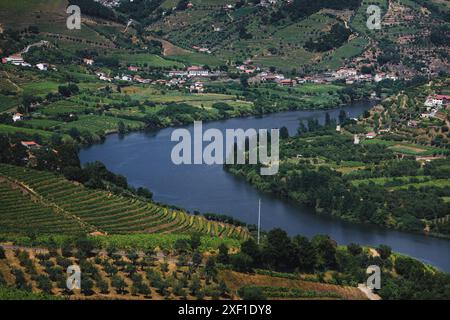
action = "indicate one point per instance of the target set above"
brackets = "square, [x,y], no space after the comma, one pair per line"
[63,107]
[43,124]
[150,60]
[406,148]
[382,181]
[438,183]
[8,102]
[105,124]
[29,133]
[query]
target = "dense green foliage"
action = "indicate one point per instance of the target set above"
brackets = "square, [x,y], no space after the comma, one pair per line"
[310,173]
[402,277]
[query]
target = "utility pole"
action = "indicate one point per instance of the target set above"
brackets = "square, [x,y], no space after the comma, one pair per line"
[259,219]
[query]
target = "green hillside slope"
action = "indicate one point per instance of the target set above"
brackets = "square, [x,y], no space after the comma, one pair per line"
[51,203]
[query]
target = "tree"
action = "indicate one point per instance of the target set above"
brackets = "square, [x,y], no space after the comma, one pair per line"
[195,241]
[210,268]
[118,283]
[197,258]
[304,253]
[182,246]
[284,133]
[384,251]
[103,286]
[64,91]
[223,256]
[164,267]
[223,288]
[244,81]
[195,284]
[354,249]
[278,250]
[121,127]
[74,133]
[241,262]
[85,245]
[27,101]
[86,286]
[342,116]
[182,5]
[325,248]
[251,248]
[251,293]
[144,289]
[44,283]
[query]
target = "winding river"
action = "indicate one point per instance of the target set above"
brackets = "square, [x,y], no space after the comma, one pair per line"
[144,158]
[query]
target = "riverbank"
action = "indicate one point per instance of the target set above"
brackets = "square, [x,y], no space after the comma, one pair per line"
[153,124]
[144,158]
[358,183]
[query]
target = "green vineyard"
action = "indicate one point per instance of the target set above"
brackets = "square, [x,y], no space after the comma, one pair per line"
[48,203]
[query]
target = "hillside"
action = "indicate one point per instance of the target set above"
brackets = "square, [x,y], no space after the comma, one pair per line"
[288,36]
[300,35]
[137,276]
[50,204]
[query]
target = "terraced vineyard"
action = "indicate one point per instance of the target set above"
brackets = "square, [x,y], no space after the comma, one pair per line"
[14,206]
[51,203]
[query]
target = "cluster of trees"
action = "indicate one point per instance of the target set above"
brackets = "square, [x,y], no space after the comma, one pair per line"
[69,90]
[140,10]
[335,38]
[96,175]
[402,277]
[303,8]
[281,253]
[440,36]
[11,151]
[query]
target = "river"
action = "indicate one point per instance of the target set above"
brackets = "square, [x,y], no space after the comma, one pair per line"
[144,158]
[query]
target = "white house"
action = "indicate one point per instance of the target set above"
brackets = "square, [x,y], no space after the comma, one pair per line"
[437,100]
[15,59]
[197,87]
[17,117]
[196,71]
[42,66]
[371,135]
[178,73]
[127,78]
[88,62]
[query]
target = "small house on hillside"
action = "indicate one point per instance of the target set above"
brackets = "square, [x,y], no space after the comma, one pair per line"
[17,117]
[88,62]
[42,66]
[371,135]
[30,145]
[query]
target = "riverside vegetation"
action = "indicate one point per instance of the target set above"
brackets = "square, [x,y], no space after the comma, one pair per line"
[55,212]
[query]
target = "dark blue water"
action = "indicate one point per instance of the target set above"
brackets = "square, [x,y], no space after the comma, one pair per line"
[144,158]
